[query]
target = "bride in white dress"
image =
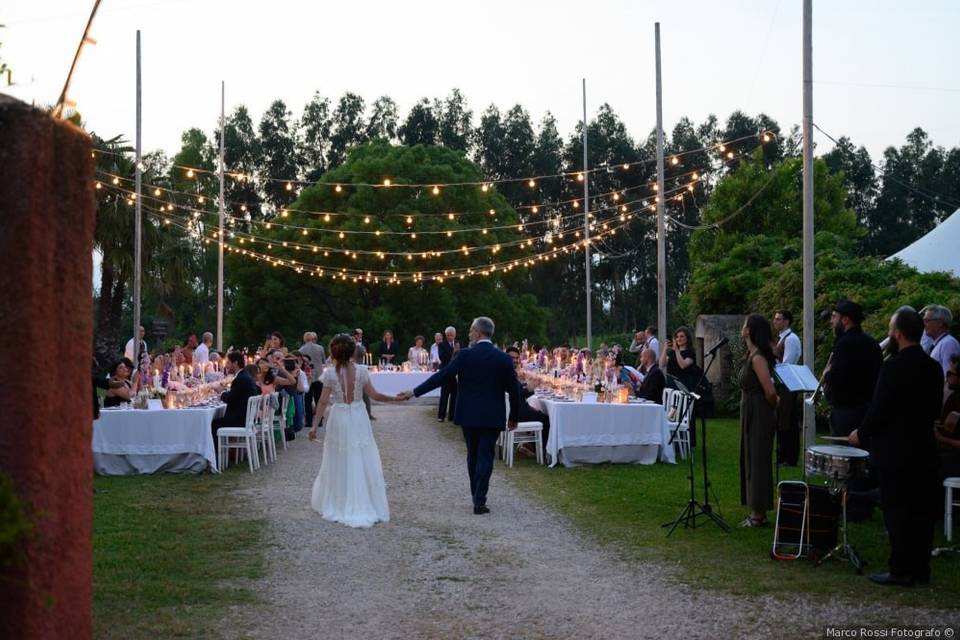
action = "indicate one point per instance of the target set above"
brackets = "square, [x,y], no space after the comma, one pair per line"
[349,488]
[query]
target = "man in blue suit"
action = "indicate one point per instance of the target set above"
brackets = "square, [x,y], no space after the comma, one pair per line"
[485,374]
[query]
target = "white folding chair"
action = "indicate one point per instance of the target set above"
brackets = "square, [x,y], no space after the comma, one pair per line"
[525,433]
[949,484]
[678,408]
[263,426]
[242,439]
[280,420]
[276,424]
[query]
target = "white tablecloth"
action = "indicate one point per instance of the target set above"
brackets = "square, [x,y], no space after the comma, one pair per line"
[127,441]
[392,383]
[608,427]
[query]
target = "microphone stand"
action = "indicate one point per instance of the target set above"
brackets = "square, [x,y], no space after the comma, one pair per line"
[688,515]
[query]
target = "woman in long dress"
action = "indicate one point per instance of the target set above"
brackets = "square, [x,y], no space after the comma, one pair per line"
[758,420]
[349,488]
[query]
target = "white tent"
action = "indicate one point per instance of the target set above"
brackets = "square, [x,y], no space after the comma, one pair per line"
[939,250]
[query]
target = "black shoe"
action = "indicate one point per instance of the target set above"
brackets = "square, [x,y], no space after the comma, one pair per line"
[441,419]
[889,580]
[479,511]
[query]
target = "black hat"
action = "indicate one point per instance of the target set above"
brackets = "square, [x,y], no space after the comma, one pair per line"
[850,309]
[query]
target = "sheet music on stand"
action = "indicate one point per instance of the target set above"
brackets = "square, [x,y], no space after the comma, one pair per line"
[796,377]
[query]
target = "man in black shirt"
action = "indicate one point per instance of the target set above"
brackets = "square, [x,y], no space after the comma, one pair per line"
[852,375]
[898,431]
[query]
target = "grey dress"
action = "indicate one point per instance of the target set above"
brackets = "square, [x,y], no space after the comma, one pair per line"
[758,423]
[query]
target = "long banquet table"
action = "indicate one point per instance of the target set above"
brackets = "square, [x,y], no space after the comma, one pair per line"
[590,433]
[393,382]
[136,441]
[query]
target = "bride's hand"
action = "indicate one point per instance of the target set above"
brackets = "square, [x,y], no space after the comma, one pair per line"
[312,435]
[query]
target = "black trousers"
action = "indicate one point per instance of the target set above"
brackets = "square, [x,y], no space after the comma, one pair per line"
[481,450]
[843,420]
[448,395]
[312,396]
[788,427]
[910,500]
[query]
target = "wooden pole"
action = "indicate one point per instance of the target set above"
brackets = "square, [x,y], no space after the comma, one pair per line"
[661,219]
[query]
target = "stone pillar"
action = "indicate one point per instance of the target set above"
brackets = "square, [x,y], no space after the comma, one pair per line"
[47,211]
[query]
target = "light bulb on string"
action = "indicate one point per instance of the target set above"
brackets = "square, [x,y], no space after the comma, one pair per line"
[326,217]
[338,188]
[190,173]
[387,182]
[436,190]
[532,183]
[289,186]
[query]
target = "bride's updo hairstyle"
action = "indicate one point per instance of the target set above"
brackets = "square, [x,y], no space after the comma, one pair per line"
[342,348]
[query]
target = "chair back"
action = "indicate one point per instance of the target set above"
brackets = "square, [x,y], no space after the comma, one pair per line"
[253,412]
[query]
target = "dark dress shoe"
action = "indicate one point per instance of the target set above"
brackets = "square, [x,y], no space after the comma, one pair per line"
[479,511]
[889,580]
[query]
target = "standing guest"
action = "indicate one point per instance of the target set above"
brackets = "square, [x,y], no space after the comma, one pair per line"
[528,413]
[242,389]
[201,354]
[653,380]
[758,420]
[315,352]
[359,357]
[188,350]
[652,343]
[299,390]
[638,345]
[128,351]
[899,432]
[277,342]
[388,349]
[936,322]
[787,351]
[123,385]
[435,351]
[448,350]
[947,433]
[850,378]
[416,355]
[679,359]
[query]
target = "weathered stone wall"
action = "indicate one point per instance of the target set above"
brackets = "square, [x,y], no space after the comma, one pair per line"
[47,213]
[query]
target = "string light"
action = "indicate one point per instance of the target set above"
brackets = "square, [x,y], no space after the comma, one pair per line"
[764,136]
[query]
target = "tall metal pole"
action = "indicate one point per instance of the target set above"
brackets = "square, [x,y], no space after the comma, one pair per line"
[661,221]
[138,223]
[586,221]
[220,233]
[809,420]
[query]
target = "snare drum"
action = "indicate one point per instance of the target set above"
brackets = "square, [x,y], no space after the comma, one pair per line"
[836,462]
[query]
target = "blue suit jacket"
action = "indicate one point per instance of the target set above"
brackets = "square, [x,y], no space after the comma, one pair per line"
[484,374]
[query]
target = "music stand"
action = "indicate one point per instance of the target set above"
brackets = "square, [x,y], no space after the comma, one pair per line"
[688,515]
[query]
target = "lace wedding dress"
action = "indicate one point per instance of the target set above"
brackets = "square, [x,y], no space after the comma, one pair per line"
[349,488]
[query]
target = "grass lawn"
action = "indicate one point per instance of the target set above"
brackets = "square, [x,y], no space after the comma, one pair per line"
[624,506]
[171,553]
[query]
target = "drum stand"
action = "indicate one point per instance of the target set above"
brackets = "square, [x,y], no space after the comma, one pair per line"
[844,550]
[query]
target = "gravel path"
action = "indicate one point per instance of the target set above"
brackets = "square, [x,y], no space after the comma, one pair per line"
[438,571]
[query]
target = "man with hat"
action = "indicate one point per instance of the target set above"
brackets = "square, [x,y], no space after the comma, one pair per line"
[854,366]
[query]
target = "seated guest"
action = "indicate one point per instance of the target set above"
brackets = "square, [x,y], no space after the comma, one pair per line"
[528,413]
[417,355]
[388,348]
[621,373]
[947,431]
[123,385]
[654,381]
[242,389]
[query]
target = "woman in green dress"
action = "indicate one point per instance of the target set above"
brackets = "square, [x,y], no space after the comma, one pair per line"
[758,420]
